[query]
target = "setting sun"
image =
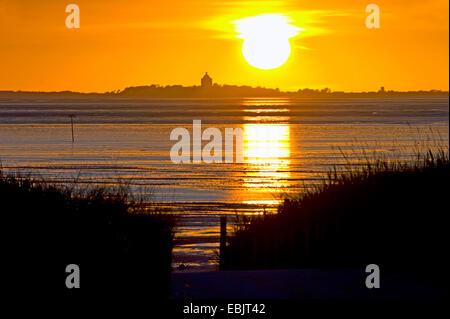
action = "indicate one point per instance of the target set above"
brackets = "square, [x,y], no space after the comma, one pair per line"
[266,40]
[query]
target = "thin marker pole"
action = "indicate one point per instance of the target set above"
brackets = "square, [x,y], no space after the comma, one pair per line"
[71,122]
[223,241]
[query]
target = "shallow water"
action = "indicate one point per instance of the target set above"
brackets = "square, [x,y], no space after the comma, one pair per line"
[288,144]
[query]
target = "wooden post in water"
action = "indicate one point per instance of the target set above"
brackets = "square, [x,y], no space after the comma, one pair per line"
[223,241]
[71,122]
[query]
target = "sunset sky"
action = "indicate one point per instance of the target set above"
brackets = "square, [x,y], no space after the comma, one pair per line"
[136,42]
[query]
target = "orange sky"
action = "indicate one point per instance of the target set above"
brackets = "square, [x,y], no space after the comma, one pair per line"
[125,43]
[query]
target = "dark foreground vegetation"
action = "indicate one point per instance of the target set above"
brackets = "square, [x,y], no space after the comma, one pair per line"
[121,245]
[388,213]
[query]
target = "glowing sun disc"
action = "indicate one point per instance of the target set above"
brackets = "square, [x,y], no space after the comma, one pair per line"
[266,40]
[266,55]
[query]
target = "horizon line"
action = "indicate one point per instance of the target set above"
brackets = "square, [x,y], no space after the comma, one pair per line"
[221,86]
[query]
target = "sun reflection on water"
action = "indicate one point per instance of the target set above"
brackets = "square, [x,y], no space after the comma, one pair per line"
[267,156]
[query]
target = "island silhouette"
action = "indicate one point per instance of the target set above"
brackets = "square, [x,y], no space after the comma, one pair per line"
[208,89]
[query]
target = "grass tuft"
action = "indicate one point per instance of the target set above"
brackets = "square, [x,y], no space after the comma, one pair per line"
[120,243]
[387,212]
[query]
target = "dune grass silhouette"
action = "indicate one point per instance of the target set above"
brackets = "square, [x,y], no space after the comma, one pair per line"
[120,243]
[386,212]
